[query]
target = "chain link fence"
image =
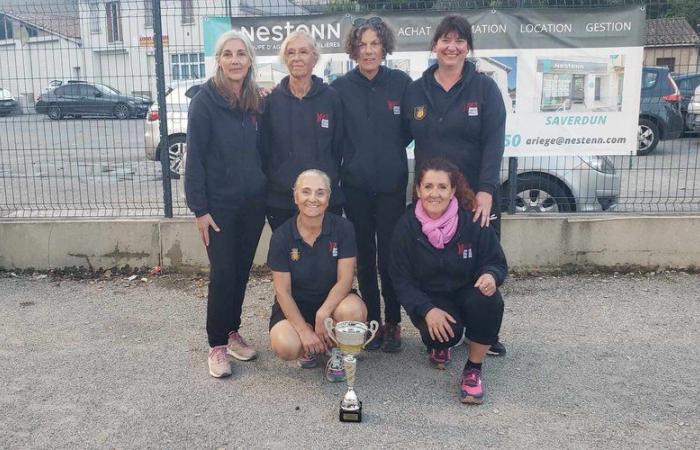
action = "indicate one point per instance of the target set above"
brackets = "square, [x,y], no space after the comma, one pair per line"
[85,86]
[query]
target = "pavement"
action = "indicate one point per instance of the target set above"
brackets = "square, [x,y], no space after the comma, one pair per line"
[594,361]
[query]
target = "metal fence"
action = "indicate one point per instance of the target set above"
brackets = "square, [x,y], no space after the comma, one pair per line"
[106,157]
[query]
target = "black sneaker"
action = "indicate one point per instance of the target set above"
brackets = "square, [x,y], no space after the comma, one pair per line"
[376,343]
[392,338]
[497,349]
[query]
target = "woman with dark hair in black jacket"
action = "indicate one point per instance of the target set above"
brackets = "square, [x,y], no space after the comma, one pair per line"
[457,113]
[375,170]
[446,270]
[225,188]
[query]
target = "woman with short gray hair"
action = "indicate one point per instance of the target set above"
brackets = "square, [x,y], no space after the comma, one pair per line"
[302,129]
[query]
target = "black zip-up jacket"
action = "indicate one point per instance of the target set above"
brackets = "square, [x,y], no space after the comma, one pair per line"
[299,134]
[223,166]
[418,269]
[374,147]
[469,132]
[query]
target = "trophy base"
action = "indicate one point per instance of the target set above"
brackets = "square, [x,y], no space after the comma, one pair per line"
[351,415]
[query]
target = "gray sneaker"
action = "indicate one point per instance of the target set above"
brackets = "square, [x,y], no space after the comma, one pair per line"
[219,366]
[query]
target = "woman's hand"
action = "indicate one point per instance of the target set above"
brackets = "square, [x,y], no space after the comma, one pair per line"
[263,91]
[486,284]
[203,224]
[320,327]
[312,344]
[484,203]
[439,327]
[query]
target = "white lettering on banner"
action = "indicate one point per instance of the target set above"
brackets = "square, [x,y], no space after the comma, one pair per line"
[414,31]
[546,28]
[489,29]
[601,27]
[325,31]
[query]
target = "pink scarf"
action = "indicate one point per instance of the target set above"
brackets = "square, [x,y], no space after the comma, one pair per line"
[441,230]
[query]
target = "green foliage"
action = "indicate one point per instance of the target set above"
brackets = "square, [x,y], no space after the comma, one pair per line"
[690,9]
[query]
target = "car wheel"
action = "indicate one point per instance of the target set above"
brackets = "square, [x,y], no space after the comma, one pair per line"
[175,152]
[55,113]
[537,194]
[648,137]
[121,111]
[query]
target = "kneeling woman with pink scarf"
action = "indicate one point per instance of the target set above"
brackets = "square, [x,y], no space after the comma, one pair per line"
[446,270]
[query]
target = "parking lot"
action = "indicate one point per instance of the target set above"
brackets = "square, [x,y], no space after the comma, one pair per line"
[97,167]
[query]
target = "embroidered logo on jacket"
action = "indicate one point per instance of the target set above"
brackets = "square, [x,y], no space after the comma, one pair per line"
[471,108]
[322,119]
[294,255]
[464,250]
[394,106]
[419,112]
[333,248]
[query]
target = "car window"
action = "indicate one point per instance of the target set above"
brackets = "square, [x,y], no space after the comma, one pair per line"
[107,90]
[648,79]
[87,91]
[68,90]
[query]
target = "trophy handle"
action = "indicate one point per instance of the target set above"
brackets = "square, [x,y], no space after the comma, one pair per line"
[329,328]
[373,327]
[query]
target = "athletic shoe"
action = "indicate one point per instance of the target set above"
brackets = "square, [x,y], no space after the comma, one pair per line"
[440,358]
[376,343]
[497,349]
[308,361]
[335,373]
[392,338]
[239,348]
[219,366]
[472,391]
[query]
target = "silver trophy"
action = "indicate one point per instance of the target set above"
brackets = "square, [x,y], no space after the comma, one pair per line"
[350,337]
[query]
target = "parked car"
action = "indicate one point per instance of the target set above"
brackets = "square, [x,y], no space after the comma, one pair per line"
[692,118]
[660,117]
[90,99]
[8,103]
[177,99]
[555,184]
[545,184]
[686,86]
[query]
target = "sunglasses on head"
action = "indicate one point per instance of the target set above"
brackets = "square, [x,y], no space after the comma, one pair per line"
[360,21]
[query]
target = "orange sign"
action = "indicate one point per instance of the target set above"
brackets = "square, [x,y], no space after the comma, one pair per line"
[147,41]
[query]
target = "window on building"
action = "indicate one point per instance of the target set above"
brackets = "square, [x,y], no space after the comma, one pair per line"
[148,12]
[187,11]
[187,66]
[94,16]
[668,62]
[31,31]
[114,22]
[5,28]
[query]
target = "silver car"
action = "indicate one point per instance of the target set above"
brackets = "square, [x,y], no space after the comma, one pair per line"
[545,184]
[177,99]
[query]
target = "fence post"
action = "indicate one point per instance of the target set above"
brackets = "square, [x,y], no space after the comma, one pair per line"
[512,183]
[162,110]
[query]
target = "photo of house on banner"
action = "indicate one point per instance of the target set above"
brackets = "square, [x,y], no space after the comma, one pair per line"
[580,85]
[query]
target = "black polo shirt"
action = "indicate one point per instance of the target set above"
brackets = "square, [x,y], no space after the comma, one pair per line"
[314,270]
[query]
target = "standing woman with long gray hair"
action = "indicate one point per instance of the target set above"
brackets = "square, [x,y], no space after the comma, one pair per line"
[225,188]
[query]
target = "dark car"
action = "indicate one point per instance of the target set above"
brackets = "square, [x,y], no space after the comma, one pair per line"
[660,116]
[686,86]
[90,99]
[8,103]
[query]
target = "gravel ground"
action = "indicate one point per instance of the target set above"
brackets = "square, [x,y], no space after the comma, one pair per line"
[594,361]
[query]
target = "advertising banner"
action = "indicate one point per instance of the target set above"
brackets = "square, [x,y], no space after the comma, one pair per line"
[570,79]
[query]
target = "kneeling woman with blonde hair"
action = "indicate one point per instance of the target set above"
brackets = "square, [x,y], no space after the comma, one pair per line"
[312,258]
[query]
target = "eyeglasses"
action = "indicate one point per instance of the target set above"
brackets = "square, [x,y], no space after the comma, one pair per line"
[360,21]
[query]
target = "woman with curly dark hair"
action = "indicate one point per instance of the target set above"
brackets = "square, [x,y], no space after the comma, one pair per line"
[374,171]
[446,270]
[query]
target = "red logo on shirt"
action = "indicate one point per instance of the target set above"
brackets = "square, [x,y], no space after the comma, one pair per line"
[320,117]
[470,105]
[391,104]
[333,248]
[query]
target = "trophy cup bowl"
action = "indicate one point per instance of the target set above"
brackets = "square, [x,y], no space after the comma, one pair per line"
[351,338]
